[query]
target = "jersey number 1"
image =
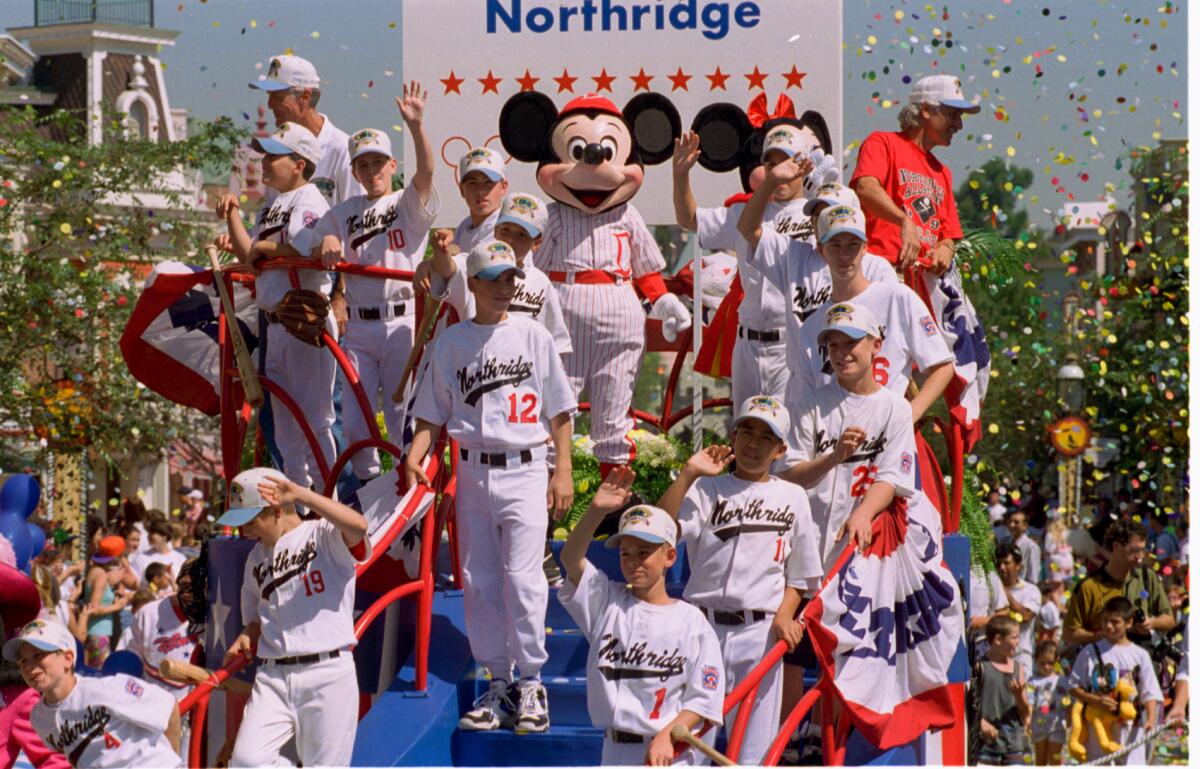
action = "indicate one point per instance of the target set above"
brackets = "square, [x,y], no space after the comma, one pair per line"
[313,582]
[528,414]
[659,696]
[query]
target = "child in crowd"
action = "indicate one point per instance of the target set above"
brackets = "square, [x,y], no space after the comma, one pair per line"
[1048,694]
[157,580]
[1054,603]
[1023,599]
[1057,551]
[1116,654]
[1004,708]
[97,722]
[653,661]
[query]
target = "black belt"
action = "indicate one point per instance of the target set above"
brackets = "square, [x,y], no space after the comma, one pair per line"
[625,738]
[304,659]
[499,459]
[735,617]
[758,336]
[372,313]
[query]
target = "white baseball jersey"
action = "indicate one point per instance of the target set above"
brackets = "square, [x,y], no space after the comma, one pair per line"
[763,308]
[289,218]
[172,558]
[467,237]
[495,387]
[302,591]
[746,541]
[390,232]
[334,176]
[646,662]
[114,721]
[616,241]
[910,338]
[889,452]
[535,297]
[160,632]
[797,269]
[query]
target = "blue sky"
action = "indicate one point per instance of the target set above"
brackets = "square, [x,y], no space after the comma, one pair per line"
[1113,75]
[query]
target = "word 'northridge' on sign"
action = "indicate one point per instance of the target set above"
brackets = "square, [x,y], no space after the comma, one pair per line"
[712,18]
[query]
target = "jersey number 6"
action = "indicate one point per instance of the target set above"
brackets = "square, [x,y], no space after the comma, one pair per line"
[879,369]
[528,414]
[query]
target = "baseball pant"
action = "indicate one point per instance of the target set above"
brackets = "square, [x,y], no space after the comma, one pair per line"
[502,518]
[608,332]
[743,647]
[306,374]
[634,753]
[759,368]
[317,703]
[378,350]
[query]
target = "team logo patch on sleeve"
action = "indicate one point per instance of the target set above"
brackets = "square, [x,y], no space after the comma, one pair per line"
[310,219]
[905,462]
[134,688]
[710,678]
[927,325]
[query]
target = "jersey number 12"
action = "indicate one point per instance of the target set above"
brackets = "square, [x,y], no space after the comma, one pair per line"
[528,413]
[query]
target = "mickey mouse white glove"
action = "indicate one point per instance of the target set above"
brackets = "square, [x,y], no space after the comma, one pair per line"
[673,314]
[825,170]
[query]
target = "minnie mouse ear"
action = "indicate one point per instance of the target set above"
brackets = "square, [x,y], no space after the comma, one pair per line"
[525,123]
[723,129]
[655,125]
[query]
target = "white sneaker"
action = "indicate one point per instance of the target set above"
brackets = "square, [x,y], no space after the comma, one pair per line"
[491,710]
[533,715]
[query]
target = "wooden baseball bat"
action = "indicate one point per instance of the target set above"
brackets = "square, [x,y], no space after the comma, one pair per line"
[241,354]
[177,670]
[428,321]
[681,733]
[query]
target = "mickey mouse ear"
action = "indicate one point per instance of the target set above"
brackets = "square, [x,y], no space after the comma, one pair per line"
[525,121]
[723,129]
[655,125]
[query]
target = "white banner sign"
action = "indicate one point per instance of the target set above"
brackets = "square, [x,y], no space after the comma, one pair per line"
[473,55]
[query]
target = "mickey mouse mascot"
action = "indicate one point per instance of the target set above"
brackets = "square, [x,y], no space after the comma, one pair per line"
[597,249]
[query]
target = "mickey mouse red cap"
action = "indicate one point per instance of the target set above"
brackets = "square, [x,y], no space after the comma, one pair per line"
[592,102]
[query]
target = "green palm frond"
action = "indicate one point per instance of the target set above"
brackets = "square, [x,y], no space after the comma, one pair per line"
[975,524]
[986,247]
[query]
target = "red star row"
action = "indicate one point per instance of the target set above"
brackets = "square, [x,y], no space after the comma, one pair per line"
[641,81]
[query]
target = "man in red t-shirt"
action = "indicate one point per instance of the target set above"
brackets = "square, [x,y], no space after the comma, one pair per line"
[905,191]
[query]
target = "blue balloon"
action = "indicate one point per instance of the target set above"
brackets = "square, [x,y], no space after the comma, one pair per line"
[14,528]
[124,661]
[20,495]
[37,537]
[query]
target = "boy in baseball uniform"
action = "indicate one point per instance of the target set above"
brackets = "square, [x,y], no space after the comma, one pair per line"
[297,602]
[483,184]
[160,631]
[653,661]
[386,229]
[759,362]
[852,444]
[521,220]
[497,384]
[910,338]
[754,553]
[112,721]
[286,226]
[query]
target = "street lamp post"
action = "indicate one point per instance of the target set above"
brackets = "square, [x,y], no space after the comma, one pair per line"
[1070,478]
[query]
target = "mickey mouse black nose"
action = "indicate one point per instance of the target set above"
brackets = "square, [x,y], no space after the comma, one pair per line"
[594,154]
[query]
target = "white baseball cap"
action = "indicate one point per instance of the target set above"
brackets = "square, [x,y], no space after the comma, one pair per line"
[48,635]
[195,494]
[646,522]
[788,139]
[487,161]
[529,211]
[838,219]
[491,259]
[369,140]
[245,501]
[852,319]
[832,194]
[285,72]
[765,409]
[289,138]
[941,89]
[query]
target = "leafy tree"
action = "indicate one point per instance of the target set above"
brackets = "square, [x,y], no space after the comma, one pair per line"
[990,198]
[77,236]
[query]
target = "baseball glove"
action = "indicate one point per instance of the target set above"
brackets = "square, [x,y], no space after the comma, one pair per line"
[304,314]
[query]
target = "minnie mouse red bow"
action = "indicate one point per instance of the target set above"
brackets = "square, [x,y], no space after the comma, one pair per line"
[757,111]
